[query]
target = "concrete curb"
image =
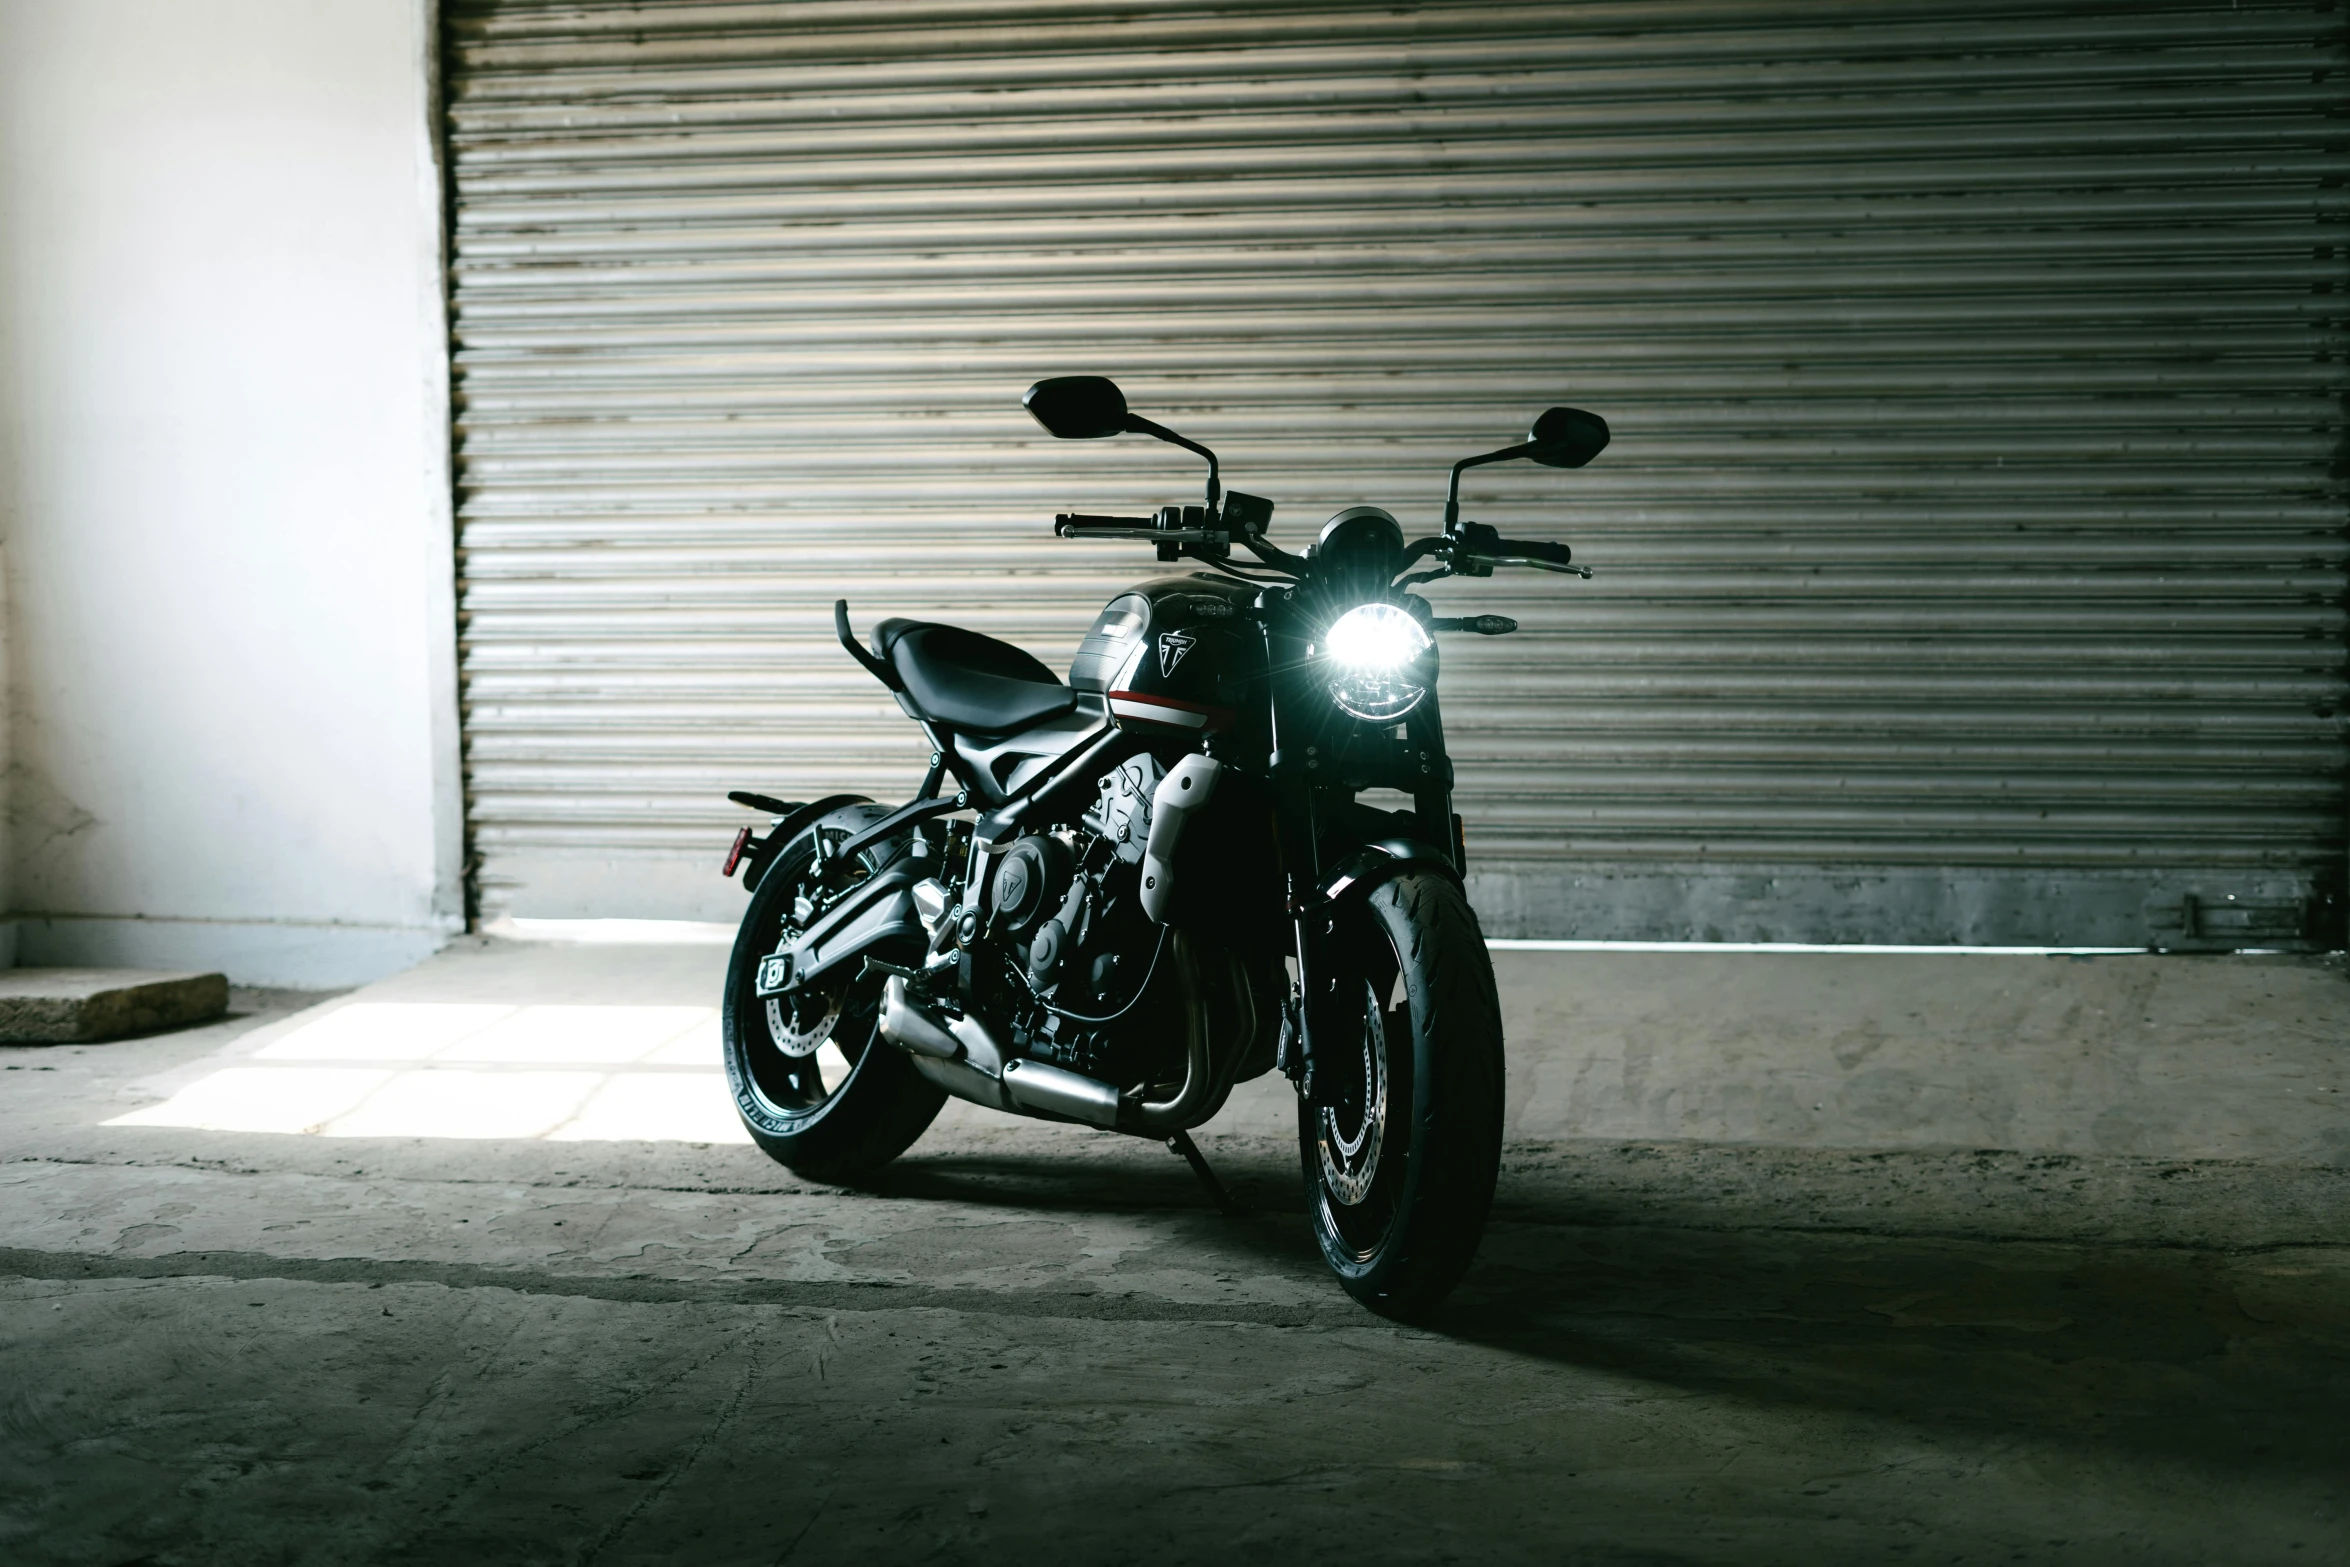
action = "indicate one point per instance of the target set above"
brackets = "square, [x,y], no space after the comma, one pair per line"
[55,1006]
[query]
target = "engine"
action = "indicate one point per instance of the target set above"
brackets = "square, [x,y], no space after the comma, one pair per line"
[1065,945]
[1061,955]
[1061,948]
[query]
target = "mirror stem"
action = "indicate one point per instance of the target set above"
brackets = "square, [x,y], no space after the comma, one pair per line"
[1452,496]
[1137,425]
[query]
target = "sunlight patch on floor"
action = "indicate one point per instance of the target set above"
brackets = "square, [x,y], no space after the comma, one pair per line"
[479,1070]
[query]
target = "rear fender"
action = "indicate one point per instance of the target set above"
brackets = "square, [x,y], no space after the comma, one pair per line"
[759,853]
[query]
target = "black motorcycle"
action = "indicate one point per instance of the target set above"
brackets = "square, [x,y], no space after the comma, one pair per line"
[1157,880]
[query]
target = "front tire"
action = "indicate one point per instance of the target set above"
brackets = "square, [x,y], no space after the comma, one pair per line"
[1401,1134]
[817,1087]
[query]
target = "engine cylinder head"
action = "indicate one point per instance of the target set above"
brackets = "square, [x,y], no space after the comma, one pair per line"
[1124,814]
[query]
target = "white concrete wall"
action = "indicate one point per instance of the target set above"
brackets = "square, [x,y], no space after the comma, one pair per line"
[224,495]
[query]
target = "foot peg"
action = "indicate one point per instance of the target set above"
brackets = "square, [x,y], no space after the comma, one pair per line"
[1181,1143]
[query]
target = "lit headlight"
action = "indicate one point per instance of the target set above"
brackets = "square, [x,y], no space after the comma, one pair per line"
[1377,662]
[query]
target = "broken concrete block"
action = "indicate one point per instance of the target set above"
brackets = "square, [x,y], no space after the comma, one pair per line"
[62,1006]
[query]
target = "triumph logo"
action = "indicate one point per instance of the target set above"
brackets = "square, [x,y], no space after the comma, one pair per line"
[1172,646]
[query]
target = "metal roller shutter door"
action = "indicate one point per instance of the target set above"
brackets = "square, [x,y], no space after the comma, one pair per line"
[1971,553]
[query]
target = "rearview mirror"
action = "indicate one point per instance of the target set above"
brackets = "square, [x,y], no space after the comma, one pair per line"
[1080,407]
[1564,437]
[1561,438]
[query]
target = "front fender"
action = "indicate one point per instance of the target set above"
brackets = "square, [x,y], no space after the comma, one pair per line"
[1381,860]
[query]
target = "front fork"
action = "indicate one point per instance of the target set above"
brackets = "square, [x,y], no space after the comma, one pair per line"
[1297,768]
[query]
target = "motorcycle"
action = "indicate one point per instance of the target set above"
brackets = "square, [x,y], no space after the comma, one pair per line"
[1158,879]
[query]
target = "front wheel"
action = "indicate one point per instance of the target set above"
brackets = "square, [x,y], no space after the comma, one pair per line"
[1401,1132]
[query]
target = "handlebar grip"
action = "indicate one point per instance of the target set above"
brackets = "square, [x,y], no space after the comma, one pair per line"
[1077,525]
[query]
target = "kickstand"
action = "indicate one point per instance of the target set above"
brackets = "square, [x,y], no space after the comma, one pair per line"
[1181,1143]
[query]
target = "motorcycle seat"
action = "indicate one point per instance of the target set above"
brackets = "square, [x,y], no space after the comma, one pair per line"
[970,682]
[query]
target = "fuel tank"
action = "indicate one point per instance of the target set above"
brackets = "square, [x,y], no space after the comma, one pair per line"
[1175,653]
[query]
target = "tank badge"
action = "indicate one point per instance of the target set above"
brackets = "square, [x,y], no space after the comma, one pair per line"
[1172,646]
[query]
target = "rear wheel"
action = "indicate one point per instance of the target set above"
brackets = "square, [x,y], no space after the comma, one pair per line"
[1401,1134]
[814,1082]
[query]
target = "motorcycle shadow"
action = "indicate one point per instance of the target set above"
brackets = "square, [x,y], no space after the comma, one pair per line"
[2236,1363]
[1073,1171]
[2233,1363]
[1073,1168]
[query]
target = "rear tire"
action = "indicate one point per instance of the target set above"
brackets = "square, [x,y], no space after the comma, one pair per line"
[1401,1137]
[817,1087]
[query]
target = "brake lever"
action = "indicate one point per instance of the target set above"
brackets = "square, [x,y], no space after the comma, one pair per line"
[1474,549]
[1544,565]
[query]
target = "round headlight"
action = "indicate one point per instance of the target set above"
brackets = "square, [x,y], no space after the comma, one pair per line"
[1377,662]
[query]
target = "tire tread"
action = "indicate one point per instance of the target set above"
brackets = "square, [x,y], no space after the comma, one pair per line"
[882,1110]
[1457,1139]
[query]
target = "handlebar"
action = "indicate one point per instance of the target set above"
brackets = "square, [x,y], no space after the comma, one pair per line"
[1473,551]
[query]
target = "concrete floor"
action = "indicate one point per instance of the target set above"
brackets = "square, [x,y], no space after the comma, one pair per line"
[1797,1259]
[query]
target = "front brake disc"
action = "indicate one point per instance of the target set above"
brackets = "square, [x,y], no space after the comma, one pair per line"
[1351,1164]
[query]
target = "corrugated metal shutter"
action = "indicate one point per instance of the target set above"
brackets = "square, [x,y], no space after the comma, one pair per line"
[1971,554]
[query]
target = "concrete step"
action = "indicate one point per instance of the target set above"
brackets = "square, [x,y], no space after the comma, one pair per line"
[60,1006]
